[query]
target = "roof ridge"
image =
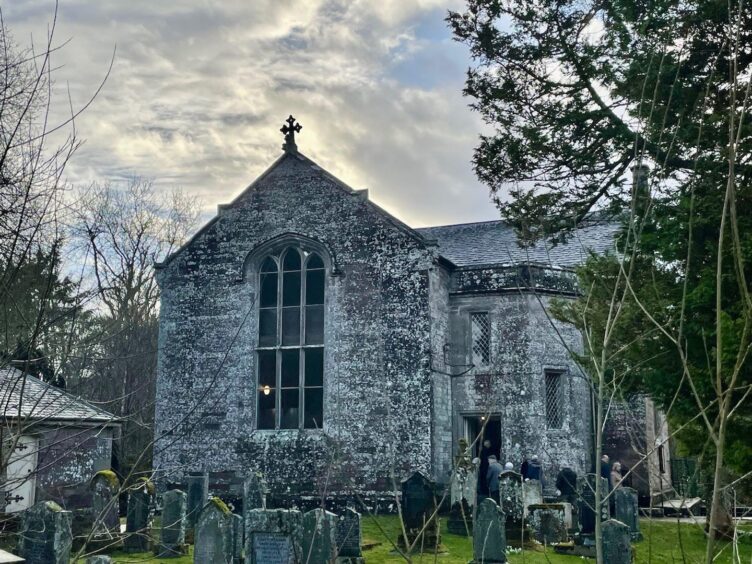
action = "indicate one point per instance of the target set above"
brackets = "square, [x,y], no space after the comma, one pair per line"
[501,221]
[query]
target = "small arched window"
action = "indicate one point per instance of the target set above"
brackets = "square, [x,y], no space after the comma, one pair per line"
[291,341]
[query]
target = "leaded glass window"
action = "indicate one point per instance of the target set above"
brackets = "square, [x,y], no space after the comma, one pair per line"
[290,353]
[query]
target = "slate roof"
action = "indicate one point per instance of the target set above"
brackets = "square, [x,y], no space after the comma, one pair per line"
[42,401]
[495,243]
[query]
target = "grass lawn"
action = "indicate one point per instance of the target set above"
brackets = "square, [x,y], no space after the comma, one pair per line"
[663,544]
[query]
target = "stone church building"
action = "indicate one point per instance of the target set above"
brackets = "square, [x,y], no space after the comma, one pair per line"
[307,334]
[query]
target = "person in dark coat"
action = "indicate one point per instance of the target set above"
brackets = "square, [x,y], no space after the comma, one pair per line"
[524,466]
[534,470]
[606,470]
[492,477]
[566,483]
[485,452]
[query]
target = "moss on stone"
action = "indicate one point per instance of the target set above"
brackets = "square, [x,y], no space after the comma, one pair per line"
[147,483]
[53,506]
[110,476]
[221,505]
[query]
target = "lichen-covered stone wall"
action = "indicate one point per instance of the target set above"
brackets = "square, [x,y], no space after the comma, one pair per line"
[512,387]
[378,343]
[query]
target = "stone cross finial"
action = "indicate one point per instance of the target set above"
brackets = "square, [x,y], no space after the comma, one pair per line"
[290,130]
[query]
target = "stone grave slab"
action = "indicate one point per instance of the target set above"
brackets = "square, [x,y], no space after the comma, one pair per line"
[254,492]
[548,522]
[489,538]
[627,510]
[138,520]
[172,536]
[586,491]
[273,536]
[214,534]
[318,536]
[46,534]
[617,548]
[532,494]
[349,536]
[197,486]
[238,539]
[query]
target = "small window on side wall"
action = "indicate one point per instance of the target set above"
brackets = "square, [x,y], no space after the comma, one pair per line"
[480,335]
[554,399]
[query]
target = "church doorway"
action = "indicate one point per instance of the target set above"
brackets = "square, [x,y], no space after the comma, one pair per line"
[476,426]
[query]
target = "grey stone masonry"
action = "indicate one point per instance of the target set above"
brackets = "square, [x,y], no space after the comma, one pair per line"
[46,534]
[104,488]
[198,494]
[273,536]
[617,548]
[238,539]
[214,534]
[627,511]
[489,538]
[138,519]
[349,535]
[318,536]
[172,535]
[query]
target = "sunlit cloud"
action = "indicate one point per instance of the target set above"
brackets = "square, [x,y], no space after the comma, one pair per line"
[198,91]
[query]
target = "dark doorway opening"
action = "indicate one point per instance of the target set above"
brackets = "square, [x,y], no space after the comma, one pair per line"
[474,426]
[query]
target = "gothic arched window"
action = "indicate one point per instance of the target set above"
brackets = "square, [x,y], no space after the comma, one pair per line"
[291,341]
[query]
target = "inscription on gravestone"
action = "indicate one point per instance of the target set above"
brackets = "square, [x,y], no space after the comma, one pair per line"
[348,533]
[271,549]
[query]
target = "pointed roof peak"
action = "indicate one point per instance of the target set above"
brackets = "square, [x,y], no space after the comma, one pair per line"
[289,129]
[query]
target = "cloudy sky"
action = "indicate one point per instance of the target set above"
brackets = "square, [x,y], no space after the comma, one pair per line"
[199,90]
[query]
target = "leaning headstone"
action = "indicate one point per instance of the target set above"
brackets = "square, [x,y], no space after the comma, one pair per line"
[532,494]
[238,539]
[138,520]
[418,512]
[318,536]
[489,539]
[172,535]
[46,534]
[198,494]
[104,488]
[586,490]
[348,535]
[548,522]
[616,544]
[626,510]
[254,492]
[273,536]
[213,535]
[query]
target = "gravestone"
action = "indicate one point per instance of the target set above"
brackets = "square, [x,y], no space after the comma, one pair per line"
[586,490]
[138,520]
[418,507]
[254,492]
[460,520]
[172,535]
[198,494]
[214,534]
[46,534]
[237,539]
[349,536]
[511,502]
[489,538]
[616,544]
[318,536]
[463,491]
[548,522]
[99,559]
[627,511]
[104,488]
[273,536]
[532,494]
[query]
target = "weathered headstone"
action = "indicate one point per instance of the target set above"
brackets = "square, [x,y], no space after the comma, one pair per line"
[198,494]
[532,494]
[617,548]
[273,536]
[138,520]
[214,534]
[104,488]
[460,520]
[489,538]
[464,482]
[172,535]
[238,539]
[318,536]
[511,502]
[548,522]
[418,509]
[254,492]
[349,536]
[626,510]
[586,490]
[46,534]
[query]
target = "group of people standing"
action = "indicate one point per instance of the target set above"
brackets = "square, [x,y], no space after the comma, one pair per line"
[490,468]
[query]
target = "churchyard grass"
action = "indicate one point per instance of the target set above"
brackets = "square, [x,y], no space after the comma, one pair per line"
[661,546]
